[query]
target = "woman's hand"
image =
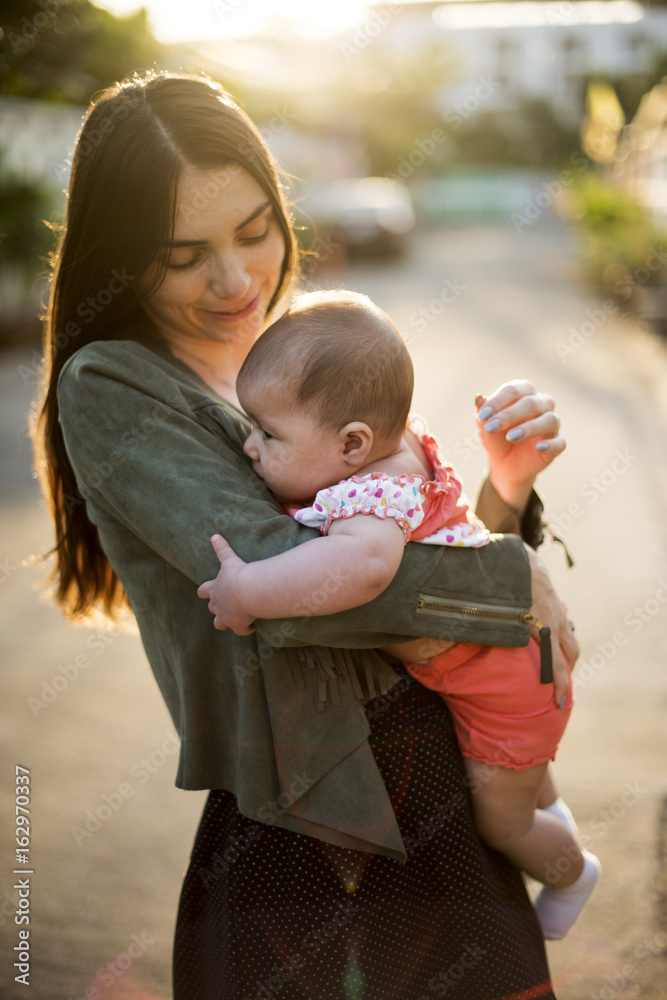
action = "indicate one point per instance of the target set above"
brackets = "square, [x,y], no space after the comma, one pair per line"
[223,592]
[520,431]
[548,607]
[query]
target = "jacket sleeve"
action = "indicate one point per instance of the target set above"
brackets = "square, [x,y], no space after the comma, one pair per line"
[174,473]
[499,516]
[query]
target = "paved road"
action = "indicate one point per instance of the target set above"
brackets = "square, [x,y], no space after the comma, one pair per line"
[81,710]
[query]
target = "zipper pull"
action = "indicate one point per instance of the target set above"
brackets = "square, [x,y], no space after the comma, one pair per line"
[546,658]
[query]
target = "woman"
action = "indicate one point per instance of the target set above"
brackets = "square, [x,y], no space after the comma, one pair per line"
[326,863]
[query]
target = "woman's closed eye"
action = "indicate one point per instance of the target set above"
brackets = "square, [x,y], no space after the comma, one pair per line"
[256,239]
[189,263]
[248,237]
[257,229]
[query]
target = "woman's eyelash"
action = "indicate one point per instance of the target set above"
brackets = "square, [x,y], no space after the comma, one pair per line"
[256,239]
[195,260]
[184,267]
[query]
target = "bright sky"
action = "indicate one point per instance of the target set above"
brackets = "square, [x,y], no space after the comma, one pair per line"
[203,20]
[179,21]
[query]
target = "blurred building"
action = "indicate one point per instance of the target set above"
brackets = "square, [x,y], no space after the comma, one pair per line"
[37,139]
[546,50]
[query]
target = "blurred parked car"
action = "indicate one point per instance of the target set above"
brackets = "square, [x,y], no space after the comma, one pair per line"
[366,214]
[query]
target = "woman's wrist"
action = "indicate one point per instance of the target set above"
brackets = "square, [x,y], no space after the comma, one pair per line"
[515,495]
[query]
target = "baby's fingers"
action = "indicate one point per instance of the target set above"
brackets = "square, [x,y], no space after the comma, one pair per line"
[205,589]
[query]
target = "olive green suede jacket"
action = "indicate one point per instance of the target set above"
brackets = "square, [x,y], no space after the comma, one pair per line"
[275,717]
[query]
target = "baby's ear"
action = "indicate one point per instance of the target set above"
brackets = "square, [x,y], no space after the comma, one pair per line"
[357,442]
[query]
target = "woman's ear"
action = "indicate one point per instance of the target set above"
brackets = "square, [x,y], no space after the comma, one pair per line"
[356,439]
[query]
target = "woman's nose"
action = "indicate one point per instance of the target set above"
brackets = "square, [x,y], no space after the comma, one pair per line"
[229,278]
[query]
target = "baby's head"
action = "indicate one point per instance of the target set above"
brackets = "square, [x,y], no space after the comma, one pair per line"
[328,388]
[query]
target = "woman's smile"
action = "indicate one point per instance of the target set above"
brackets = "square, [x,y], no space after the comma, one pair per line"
[223,264]
[233,315]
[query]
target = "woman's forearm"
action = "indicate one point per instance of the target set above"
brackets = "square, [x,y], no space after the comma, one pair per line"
[178,475]
[489,588]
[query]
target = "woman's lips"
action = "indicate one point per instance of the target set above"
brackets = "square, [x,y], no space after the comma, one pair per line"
[242,313]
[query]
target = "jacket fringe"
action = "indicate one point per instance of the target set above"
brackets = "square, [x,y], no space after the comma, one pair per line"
[325,668]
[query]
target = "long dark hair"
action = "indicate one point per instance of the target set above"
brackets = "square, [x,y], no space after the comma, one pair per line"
[135,139]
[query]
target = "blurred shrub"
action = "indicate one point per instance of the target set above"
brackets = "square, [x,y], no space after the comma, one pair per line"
[23,235]
[24,243]
[619,234]
[531,134]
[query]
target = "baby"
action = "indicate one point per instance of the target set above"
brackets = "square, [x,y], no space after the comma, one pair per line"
[328,389]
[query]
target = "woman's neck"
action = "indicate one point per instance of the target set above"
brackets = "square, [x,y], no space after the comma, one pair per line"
[217,364]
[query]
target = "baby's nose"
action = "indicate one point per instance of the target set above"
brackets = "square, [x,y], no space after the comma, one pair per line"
[250,447]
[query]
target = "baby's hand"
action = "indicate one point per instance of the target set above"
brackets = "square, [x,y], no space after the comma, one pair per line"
[223,592]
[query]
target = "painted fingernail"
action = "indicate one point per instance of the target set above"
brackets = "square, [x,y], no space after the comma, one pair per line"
[492,425]
[542,445]
[514,435]
[485,413]
[562,702]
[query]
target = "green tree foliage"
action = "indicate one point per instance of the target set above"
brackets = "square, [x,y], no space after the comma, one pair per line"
[66,50]
[23,236]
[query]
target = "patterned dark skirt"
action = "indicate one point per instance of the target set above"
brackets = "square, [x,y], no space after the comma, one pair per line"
[266,913]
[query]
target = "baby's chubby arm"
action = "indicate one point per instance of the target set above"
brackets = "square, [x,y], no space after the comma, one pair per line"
[354,563]
[350,566]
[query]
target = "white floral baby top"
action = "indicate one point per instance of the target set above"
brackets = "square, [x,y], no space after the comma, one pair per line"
[432,511]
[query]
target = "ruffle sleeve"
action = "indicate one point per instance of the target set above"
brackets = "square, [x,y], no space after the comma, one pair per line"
[433,511]
[399,497]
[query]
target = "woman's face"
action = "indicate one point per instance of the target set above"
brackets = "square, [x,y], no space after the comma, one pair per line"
[224,262]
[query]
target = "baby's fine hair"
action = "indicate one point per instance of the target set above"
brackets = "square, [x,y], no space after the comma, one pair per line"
[338,357]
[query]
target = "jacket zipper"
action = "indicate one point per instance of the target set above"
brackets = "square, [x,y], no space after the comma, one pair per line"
[502,614]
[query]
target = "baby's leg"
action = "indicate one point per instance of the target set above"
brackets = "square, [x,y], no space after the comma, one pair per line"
[504,803]
[507,818]
[549,799]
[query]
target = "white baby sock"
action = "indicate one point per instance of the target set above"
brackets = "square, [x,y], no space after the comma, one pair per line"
[561,811]
[558,909]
